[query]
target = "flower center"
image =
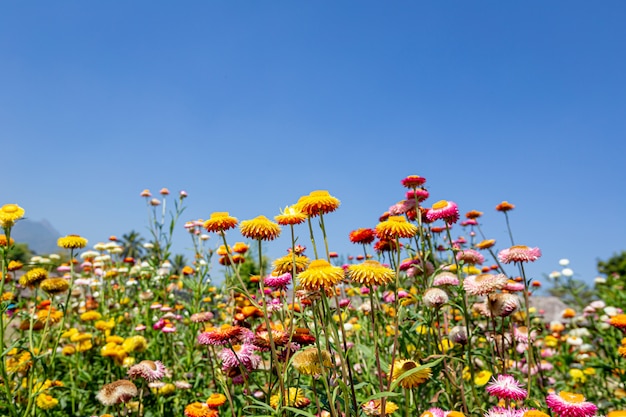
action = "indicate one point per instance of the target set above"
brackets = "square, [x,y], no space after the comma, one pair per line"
[440,204]
[407,366]
[571,397]
[9,208]
[524,247]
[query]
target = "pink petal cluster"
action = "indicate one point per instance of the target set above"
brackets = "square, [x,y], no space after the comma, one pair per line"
[149,370]
[506,387]
[566,404]
[447,211]
[484,284]
[519,253]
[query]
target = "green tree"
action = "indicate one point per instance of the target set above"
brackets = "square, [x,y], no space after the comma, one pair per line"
[615,265]
[133,245]
[20,252]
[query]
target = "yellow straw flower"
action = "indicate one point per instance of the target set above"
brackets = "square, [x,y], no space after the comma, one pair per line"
[54,285]
[290,216]
[46,402]
[395,227]
[402,367]
[72,242]
[370,273]
[33,277]
[90,316]
[320,275]
[220,221]
[292,397]
[9,214]
[260,228]
[307,361]
[482,377]
[317,202]
[285,264]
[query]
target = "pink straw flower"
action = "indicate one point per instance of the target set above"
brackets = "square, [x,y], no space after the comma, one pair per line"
[484,284]
[447,211]
[568,404]
[470,256]
[281,281]
[149,370]
[519,253]
[240,355]
[506,387]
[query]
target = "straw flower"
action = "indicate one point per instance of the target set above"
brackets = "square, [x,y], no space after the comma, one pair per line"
[90,316]
[46,401]
[395,227]
[505,206]
[198,409]
[260,228]
[506,387]
[219,222]
[519,253]
[484,284]
[292,397]
[413,181]
[310,361]
[370,273]
[373,408]
[318,202]
[618,321]
[72,242]
[320,275]
[225,335]
[435,297]
[482,377]
[278,282]
[445,210]
[486,244]
[290,216]
[149,370]
[568,404]
[120,391]
[286,264]
[216,400]
[54,285]
[9,214]
[33,277]
[4,242]
[445,278]
[363,236]
[401,367]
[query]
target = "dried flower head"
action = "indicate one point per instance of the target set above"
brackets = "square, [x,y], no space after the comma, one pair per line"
[484,284]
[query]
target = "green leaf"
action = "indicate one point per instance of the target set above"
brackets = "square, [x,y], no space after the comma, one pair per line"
[395,383]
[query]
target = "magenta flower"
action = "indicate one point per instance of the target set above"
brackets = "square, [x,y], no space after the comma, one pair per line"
[444,210]
[506,387]
[505,412]
[519,253]
[568,404]
[279,282]
[240,355]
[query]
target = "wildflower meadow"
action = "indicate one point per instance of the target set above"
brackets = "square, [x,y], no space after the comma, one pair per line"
[433,318]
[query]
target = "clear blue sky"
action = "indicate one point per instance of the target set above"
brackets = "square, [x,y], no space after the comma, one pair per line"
[248,105]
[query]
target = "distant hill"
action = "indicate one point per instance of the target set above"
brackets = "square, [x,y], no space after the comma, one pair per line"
[40,236]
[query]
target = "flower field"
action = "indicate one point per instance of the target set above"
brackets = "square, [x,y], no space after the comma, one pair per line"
[432,319]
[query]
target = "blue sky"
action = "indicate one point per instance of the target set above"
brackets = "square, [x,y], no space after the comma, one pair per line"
[249,105]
